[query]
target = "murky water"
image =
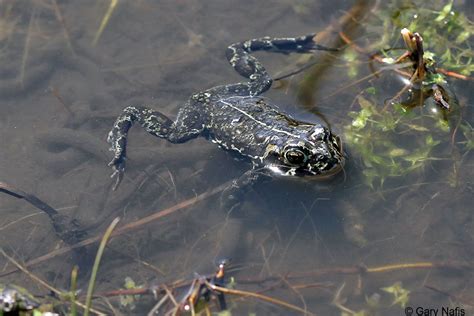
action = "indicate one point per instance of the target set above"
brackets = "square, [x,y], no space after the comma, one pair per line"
[60,95]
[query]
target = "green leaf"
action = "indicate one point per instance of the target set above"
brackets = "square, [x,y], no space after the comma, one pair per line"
[417,128]
[361,120]
[444,12]
[400,295]
[446,57]
[402,299]
[430,141]
[463,36]
[419,155]
[443,125]
[129,283]
[468,133]
[371,90]
[397,152]
[429,55]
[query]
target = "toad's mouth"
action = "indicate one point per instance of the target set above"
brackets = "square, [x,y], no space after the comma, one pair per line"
[305,174]
[326,174]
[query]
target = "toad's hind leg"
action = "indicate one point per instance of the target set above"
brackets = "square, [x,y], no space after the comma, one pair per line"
[248,66]
[186,127]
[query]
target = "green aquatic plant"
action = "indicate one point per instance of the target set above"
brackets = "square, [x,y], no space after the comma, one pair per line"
[468,132]
[446,31]
[400,137]
[388,141]
[128,301]
[400,295]
[391,297]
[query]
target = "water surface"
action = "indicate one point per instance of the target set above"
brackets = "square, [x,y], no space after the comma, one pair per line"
[60,95]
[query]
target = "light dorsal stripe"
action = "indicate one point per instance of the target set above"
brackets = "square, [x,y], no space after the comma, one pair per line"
[257,121]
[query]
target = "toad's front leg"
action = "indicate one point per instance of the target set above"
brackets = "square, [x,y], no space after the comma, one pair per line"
[233,195]
[187,125]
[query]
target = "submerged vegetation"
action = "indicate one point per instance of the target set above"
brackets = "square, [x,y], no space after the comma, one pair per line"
[446,32]
[375,135]
[400,135]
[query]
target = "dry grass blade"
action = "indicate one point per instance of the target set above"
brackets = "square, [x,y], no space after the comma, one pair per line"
[258,296]
[26,51]
[95,268]
[74,273]
[105,21]
[60,19]
[158,305]
[402,266]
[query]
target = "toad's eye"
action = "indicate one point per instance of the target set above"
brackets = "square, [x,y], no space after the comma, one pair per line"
[295,156]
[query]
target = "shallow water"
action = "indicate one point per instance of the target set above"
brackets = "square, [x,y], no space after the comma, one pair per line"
[61,97]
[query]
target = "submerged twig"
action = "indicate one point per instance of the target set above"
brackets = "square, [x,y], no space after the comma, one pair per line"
[451,296]
[199,287]
[68,230]
[56,94]
[33,200]
[258,296]
[128,227]
[453,74]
